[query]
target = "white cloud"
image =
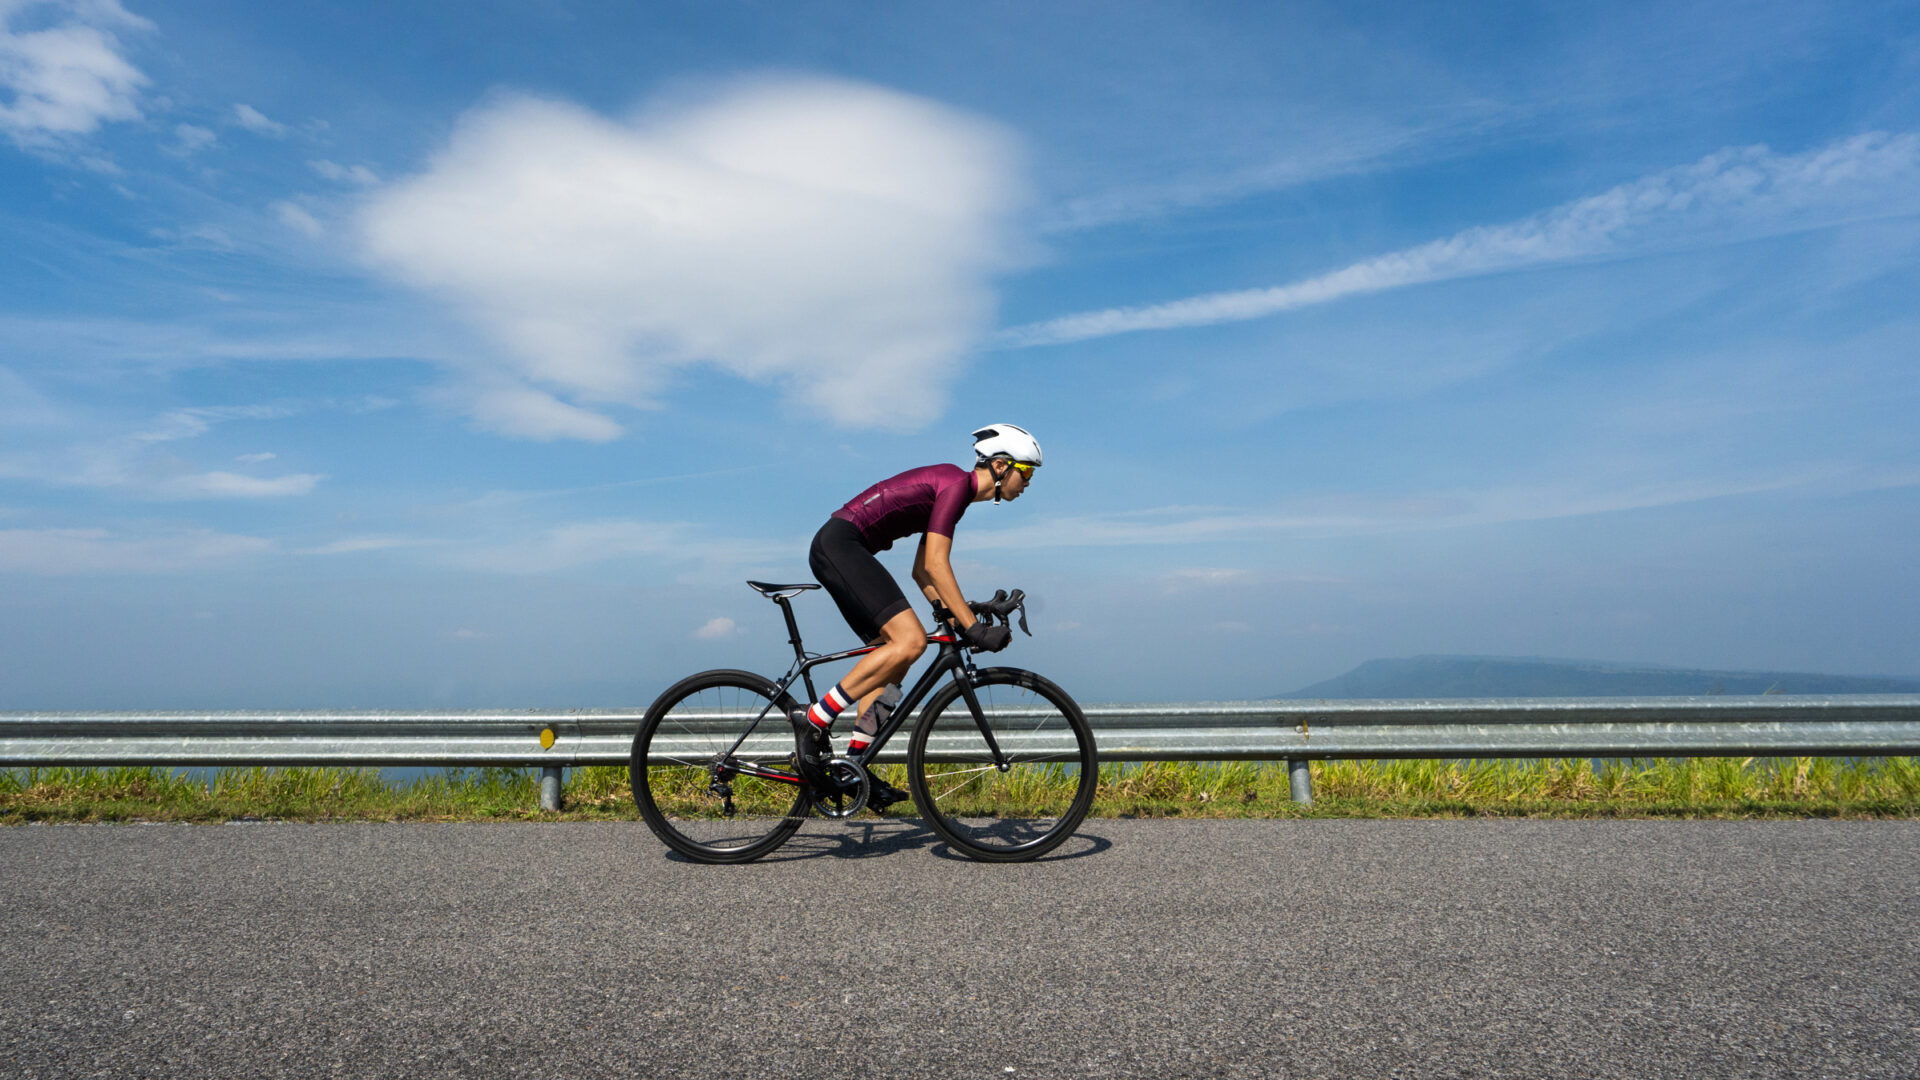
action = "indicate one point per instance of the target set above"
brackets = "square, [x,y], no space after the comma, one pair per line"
[344,174]
[136,461]
[829,237]
[522,411]
[1318,147]
[1206,575]
[297,219]
[1735,194]
[67,78]
[84,551]
[194,138]
[195,422]
[226,485]
[255,459]
[255,121]
[355,544]
[714,629]
[21,406]
[198,236]
[645,543]
[1367,516]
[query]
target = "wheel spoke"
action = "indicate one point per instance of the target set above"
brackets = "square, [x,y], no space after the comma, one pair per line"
[1021,805]
[673,784]
[959,785]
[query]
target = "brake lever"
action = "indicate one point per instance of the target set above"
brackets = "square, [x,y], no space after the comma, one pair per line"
[1020,604]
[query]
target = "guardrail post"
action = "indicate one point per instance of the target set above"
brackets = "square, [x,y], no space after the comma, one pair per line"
[1299,780]
[550,787]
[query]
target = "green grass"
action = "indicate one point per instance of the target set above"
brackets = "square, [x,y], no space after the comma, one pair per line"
[1651,787]
[1659,787]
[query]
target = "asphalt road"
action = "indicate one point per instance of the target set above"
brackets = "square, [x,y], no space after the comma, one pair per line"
[1183,948]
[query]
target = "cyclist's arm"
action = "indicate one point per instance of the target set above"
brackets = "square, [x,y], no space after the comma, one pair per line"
[933,572]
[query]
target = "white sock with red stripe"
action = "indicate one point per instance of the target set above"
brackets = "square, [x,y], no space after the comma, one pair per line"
[823,711]
[865,728]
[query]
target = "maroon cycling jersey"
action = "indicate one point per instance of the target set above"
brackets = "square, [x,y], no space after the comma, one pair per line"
[929,499]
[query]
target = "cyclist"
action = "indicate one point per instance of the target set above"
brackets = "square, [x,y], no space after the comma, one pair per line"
[928,500]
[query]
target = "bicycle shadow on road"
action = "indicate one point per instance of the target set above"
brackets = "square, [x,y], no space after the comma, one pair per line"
[893,836]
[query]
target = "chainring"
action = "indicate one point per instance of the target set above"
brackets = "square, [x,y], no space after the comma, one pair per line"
[850,788]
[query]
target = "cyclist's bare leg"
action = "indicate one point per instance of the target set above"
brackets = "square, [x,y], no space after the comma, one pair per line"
[895,677]
[902,640]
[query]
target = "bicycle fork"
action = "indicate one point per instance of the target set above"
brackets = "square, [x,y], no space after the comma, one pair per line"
[964,675]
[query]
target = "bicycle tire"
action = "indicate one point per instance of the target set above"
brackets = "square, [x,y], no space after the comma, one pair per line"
[1025,811]
[691,725]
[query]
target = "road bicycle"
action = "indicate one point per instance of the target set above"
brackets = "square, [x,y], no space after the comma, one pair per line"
[1001,763]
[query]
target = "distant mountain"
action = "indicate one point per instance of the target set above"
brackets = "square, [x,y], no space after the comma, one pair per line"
[1511,676]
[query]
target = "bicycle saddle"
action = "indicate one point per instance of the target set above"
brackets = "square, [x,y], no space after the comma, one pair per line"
[780,592]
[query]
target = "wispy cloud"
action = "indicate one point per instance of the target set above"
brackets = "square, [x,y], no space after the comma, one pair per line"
[325,331]
[193,137]
[95,551]
[22,406]
[832,238]
[508,498]
[226,485]
[1732,195]
[356,544]
[1334,148]
[1206,575]
[257,122]
[344,174]
[1364,516]
[195,422]
[650,544]
[715,629]
[134,462]
[297,219]
[68,78]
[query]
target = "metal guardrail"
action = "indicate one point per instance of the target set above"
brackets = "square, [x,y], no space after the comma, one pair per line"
[1294,731]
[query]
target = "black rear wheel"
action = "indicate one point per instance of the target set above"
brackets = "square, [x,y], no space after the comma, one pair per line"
[693,793]
[1030,806]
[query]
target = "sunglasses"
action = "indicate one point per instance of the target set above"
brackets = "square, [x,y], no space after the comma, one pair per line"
[1026,470]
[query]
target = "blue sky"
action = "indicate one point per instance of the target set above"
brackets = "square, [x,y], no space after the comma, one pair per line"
[474,354]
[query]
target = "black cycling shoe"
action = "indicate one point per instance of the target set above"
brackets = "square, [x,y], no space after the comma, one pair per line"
[882,794]
[811,748]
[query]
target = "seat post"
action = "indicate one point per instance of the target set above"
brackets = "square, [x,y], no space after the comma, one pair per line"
[793,628]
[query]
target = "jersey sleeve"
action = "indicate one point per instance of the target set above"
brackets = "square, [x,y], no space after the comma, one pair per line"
[948,504]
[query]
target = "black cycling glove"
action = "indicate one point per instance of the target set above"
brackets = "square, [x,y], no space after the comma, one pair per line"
[986,638]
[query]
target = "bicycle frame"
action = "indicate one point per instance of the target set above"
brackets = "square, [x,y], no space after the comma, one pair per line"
[951,658]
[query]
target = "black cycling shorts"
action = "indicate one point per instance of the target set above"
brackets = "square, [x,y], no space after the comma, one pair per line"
[868,596]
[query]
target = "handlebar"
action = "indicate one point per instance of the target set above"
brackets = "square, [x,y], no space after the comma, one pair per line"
[1002,607]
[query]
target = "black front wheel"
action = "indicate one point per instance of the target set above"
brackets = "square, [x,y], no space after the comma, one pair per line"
[701,796]
[1026,800]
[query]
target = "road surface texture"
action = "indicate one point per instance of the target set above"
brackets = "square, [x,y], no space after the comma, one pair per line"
[1145,948]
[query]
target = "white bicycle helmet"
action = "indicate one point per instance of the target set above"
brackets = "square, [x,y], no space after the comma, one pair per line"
[1008,441]
[1005,440]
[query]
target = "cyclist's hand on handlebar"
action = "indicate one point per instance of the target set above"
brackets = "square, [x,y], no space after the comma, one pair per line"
[986,638]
